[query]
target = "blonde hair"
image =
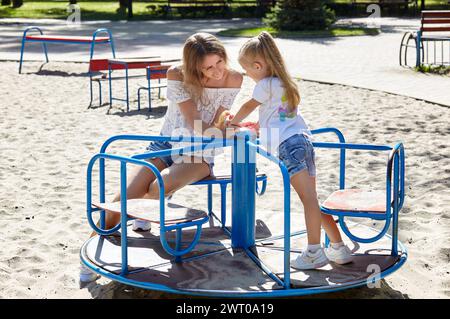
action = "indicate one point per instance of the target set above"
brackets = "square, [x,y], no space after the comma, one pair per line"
[264,46]
[196,48]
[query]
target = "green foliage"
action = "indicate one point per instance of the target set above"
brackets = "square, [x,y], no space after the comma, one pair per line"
[331,32]
[438,69]
[300,15]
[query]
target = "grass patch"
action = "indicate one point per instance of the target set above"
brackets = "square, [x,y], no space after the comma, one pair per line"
[332,32]
[109,10]
[440,69]
[104,10]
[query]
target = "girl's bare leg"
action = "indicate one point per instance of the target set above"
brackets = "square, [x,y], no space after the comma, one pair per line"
[305,186]
[303,181]
[331,228]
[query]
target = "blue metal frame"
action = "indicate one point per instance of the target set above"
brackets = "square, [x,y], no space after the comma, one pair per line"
[418,44]
[45,41]
[148,74]
[111,98]
[395,173]
[244,187]
[233,294]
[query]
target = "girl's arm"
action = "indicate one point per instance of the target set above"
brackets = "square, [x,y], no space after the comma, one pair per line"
[244,111]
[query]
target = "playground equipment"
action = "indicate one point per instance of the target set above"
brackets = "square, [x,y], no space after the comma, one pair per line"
[155,69]
[436,25]
[67,39]
[241,260]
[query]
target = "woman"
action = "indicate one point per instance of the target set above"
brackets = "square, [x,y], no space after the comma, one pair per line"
[198,91]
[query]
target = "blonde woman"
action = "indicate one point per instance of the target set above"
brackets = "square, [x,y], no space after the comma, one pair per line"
[199,91]
[283,131]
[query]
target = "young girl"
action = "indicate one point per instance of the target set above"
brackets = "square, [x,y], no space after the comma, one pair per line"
[284,133]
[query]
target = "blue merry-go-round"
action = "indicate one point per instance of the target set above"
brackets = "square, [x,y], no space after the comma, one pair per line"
[202,253]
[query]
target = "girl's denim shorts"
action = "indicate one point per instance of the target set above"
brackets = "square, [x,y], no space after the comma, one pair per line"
[161,146]
[297,153]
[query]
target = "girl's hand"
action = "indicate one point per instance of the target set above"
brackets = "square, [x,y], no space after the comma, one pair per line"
[228,120]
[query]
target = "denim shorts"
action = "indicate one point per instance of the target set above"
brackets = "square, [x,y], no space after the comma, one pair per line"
[167,160]
[297,153]
[161,146]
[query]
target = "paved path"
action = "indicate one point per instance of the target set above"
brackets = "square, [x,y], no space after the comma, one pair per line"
[368,61]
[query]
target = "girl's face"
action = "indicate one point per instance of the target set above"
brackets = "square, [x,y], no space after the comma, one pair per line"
[256,70]
[213,67]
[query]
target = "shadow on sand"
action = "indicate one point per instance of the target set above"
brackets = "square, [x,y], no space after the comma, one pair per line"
[115,290]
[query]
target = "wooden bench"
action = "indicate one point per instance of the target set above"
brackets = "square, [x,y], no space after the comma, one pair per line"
[67,39]
[434,28]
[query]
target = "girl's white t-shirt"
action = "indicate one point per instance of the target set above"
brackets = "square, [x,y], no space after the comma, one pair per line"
[275,121]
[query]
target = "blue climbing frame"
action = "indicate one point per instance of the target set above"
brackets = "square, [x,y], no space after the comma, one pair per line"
[41,38]
[244,182]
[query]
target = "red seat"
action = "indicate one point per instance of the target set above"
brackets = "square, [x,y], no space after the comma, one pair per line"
[67,38]
[357,200]
[97,65]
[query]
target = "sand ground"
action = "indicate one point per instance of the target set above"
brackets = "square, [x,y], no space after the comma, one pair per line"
[48,136]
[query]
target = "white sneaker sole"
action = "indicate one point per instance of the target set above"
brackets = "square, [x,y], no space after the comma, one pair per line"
[309,267]
[84,278]
[142,226]
[343,261]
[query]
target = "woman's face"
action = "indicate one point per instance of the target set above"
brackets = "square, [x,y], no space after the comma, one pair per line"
[213,67]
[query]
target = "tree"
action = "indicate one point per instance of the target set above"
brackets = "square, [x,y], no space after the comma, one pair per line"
[126,5]
[300,15]
[17,3]
[123,4]
[6,2]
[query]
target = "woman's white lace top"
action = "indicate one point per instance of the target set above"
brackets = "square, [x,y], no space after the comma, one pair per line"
[174,122]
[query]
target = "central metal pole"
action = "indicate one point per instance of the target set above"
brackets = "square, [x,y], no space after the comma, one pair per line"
[243,169]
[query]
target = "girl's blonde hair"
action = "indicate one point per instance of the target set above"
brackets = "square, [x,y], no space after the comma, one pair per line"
[196,48]
[264,46]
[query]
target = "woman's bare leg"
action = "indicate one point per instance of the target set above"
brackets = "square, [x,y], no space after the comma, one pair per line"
[138,181]
[177,176]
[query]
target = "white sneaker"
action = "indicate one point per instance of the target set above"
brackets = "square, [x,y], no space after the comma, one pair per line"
[309,260]
[141,225]
[87,275]
[341,255]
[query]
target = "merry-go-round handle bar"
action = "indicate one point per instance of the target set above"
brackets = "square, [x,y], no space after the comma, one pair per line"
[182,150]
[160,138]
[122,159]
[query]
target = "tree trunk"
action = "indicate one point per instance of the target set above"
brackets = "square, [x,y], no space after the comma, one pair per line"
[17,3]
[130,9]
[123,4]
